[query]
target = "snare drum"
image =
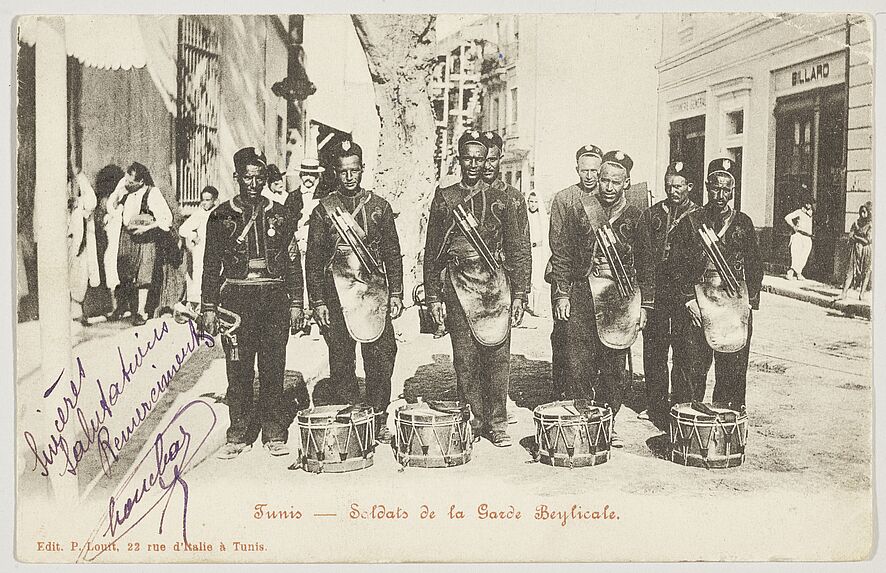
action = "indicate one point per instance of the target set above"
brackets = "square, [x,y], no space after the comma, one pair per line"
[706,439]
[336,438]
[433,434]
[570,435]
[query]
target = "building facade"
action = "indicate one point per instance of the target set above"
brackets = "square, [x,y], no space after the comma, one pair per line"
[179,94]
[788,98]
[545,105]
[455,97]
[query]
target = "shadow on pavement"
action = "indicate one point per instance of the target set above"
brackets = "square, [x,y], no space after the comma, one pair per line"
[660,446]
[434,381]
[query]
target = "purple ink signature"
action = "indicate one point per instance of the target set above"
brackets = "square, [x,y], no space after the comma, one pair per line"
[93,430]
[157,476]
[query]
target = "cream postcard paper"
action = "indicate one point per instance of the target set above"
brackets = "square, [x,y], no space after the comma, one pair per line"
[213,212]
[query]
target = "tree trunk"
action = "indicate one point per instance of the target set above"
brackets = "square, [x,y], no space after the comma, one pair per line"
[399,50]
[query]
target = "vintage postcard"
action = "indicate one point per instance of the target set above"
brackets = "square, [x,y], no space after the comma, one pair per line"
[443,288]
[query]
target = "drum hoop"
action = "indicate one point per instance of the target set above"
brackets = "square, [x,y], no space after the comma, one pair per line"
[458,429]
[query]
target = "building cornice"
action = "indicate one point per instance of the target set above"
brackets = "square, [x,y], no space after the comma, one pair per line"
[683,80]
[756,23]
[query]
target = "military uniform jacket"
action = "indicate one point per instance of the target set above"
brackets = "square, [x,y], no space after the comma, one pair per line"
[377,220]
[501,213]
[573,244]
[231,254]
[688,261]
[658,224]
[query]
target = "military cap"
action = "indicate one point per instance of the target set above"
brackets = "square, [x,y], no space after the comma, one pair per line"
[471,136]
[676,168]
[249,156]
[492,139]
[274,173]
[722,166]
[620,158]
[347,149]
[588,149]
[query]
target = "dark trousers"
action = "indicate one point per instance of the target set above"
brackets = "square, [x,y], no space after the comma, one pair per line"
[595,371]
[559,357]
[692,361]
[657,341]
[263,332]
[481,372]
[378,361]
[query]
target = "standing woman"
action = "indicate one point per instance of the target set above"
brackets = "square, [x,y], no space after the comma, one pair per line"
[541,252]
[859,269]
[800,222]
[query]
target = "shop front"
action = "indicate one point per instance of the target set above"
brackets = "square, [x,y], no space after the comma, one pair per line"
[810,159]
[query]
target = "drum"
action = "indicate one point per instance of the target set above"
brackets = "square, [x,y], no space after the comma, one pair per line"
[707,436]
[336,438]
[573,433]
[433,434]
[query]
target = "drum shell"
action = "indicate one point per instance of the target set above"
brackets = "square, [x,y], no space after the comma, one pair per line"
[332,446]
[572,440]
[701,440]
[428,438]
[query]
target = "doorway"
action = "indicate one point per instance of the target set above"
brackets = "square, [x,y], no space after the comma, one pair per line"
[687,145]
[809,161]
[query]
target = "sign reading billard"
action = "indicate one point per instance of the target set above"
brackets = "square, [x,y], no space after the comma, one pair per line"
[820,72]
[811,73]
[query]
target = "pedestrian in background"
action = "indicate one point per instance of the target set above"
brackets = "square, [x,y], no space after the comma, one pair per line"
[541,252]
[859,269]
[145,219]
[800,221]
[193,232]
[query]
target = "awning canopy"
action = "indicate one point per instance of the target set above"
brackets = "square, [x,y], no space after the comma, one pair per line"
[113,42]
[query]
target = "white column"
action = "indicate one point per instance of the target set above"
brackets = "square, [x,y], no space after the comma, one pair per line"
[51,221]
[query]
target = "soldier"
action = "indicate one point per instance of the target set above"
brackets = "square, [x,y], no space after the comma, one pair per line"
[354,276]
[593,268]
[657,224]
[252,267]
[492,177]
[587,166]
[717,270]
[477,262]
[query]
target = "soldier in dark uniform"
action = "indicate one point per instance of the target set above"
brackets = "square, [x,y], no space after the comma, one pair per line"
[492,177]
[596,366]
[352,304]
[252,267]
[587,165]
[698,341]
[658,223]
[482,300]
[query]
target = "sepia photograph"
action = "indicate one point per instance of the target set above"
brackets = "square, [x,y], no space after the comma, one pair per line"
[422,288]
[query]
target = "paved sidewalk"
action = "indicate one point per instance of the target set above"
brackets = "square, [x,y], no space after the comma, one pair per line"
[819,294]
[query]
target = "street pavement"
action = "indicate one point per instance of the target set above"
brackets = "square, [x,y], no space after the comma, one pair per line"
[809,444]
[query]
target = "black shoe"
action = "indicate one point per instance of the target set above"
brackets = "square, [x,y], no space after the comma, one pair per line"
[139,319]
[383,434]
[499,438]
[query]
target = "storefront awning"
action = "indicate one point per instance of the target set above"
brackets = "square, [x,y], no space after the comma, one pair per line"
[120,43]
